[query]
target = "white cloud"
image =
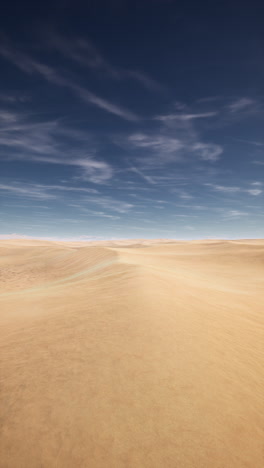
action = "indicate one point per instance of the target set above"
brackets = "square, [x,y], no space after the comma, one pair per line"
[7,117]
[163,148]
[241,104]
[208,151]
[184,195]
[176,140]
[254,192]
[160,143]
[30,66]
[66,188]
[41,191]
[107,203]
[225,189]
[84,52]
[27,191]
[185,117]
[101,214]
[94,171]
[185,216]
[222,188]
[148,178]
[14,98]
[89,97]
[235,214]
[250,142]
[44,142]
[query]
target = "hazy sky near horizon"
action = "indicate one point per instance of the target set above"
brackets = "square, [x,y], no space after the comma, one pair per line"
[132,119]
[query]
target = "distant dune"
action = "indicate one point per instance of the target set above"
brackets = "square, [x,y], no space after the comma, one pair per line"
[132,354]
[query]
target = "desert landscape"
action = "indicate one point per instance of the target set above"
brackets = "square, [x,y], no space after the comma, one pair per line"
[132,354]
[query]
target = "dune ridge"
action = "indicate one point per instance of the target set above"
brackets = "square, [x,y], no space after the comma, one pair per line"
[132,354]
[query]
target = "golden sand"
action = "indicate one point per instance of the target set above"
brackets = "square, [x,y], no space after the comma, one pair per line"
[132,354]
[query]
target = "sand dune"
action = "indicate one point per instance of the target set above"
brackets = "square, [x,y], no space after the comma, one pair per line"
[132,354]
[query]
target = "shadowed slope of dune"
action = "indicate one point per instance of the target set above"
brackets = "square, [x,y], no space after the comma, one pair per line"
[113,356]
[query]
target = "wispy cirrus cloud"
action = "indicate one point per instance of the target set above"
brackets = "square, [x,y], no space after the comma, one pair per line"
[44,142]
[7,117]
[14,98]
[251,142]
[149,179]
[105,202]
[65,188]
[50,74]
[86,54]
[41,191]
[27,191]
[159,143]
[241,104]
[224,189]
[185,116]
[95,171]
[99,214]
[108,203]
[234,214]
[232,190]
[184,195]
[88,198]
[176,140]
[254,191]
[207,151]
[92,170]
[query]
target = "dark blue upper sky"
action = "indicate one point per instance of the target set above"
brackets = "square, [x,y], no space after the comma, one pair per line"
[132,119]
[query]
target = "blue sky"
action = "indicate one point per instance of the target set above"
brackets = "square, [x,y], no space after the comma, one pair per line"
[132,120]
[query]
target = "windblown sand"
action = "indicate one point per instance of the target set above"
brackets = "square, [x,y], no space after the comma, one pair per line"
[130,355]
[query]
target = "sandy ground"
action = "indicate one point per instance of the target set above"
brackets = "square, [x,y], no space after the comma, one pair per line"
[132,354]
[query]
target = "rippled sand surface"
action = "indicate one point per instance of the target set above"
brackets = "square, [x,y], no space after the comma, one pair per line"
[132,354]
